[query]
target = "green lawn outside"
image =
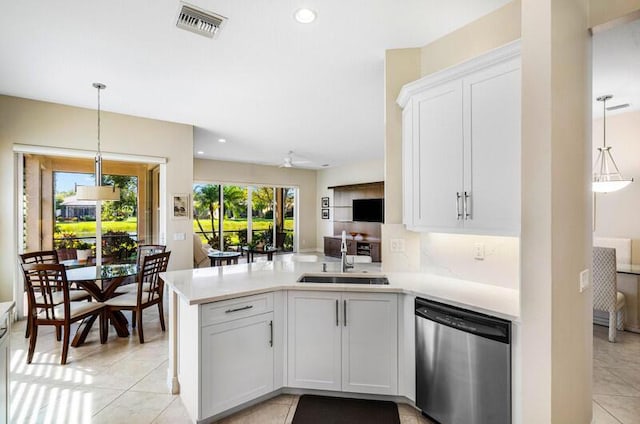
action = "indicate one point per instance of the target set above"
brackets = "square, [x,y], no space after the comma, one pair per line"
[88,228]
[241,224]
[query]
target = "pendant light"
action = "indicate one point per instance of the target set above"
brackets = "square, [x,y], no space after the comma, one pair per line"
[99,191]
[606,176]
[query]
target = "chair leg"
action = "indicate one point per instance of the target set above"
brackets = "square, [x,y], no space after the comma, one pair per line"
[58,333]
[612,327]
[33,335]
[104,327]
[65,343]
[620,318]
[161,311]
[140,333]
[28,329]
[133,319]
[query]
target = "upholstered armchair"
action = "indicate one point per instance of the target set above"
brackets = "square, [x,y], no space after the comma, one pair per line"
[200,252]
[606,296]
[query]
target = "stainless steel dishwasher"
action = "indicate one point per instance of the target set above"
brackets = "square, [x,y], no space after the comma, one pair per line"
[463,365]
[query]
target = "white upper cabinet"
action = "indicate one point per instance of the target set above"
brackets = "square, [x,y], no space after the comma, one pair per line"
[461,147]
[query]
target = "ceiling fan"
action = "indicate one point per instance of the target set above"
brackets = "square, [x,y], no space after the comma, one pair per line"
[289,161]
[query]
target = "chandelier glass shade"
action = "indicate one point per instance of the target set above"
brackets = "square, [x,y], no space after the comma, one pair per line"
[606,175]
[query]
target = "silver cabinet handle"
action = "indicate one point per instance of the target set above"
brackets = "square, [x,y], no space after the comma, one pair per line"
[345,312]
[271,333]
[467,205]
[458,213]
[337,322]
[228,311]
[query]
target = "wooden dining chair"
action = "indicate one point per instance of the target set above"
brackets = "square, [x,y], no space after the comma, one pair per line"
[46,284]
[149,292]
[146,250]
[50,257]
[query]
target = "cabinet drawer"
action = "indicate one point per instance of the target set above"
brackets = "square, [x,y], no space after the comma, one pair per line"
[228,310]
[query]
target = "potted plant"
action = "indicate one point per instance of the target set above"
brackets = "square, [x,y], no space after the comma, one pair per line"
[83,250]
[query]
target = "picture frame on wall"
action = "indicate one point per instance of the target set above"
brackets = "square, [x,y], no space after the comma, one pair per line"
[325,202]
[325,213]
[181,206]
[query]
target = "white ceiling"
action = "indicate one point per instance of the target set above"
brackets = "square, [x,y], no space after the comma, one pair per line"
[616,67]
[267,84]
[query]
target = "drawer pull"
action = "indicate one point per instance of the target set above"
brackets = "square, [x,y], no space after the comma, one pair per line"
[244,308]
[271,333]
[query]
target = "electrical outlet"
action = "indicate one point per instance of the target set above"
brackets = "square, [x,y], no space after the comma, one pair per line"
[478,251]
[179,236]
[584,280]
[397,245]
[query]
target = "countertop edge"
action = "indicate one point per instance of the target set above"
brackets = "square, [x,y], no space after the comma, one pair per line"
[438,290]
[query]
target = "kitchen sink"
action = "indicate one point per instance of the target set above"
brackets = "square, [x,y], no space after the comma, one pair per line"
[343,279]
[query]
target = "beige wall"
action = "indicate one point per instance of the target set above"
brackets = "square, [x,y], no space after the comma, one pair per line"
[355,173]
[37,123]
[604,11]
[215,171]
[556,218]
[493,30]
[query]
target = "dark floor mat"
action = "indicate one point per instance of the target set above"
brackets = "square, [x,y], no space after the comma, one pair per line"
[329,410]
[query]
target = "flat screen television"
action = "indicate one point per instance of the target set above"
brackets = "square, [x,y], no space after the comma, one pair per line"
[368,210]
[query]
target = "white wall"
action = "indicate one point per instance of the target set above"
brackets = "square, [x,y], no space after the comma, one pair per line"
[453,255]
[37,123]
[355,173]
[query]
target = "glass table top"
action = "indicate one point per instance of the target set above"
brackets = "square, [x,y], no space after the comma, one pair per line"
[101,272]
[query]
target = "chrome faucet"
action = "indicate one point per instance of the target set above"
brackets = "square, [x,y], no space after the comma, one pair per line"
[345,264]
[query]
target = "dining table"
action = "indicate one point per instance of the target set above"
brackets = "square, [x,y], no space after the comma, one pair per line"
[218,258]
[101,281]
[269,251]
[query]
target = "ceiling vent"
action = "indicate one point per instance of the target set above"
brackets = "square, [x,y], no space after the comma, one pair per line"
[199,21]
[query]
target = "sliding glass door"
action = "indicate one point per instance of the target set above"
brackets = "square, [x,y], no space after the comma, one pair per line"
[230,216]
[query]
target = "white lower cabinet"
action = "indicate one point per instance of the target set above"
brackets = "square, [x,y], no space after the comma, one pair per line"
[343,341]
[237,362]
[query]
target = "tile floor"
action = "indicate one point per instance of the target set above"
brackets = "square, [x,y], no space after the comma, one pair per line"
[123,381]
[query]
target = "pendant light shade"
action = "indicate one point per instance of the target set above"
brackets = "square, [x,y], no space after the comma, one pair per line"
[99,191]
[606,175]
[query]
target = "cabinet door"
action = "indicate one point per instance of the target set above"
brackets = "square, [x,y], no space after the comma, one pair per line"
[370,343]
[492,149]
[408,165]
[314,340]
[237,362]
[332,246]
[437,120]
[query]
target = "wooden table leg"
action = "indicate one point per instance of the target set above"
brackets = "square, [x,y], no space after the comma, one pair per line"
[120,323]
[269,256]
[83,330]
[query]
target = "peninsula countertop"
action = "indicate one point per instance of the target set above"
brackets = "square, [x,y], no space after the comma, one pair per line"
[205,285]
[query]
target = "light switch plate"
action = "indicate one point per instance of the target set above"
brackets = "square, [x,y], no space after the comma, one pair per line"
[179,236]
[397,245]
[584,280]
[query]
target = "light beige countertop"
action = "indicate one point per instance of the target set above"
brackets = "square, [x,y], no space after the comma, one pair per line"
[205,285]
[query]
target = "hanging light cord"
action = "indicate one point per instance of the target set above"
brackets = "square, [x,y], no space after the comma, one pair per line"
[604,123]
[99,88]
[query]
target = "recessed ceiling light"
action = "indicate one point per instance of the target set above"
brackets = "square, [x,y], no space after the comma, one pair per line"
[222,140]
[304,15]
[200,152]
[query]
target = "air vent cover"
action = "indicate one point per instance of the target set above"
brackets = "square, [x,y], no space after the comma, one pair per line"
[199,21]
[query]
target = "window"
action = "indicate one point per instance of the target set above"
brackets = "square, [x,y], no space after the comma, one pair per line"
[257,214]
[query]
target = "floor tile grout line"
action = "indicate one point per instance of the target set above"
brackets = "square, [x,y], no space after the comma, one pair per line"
[176,397]
[607,411]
